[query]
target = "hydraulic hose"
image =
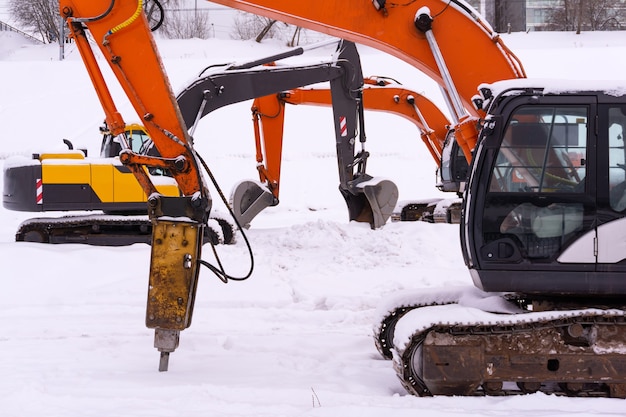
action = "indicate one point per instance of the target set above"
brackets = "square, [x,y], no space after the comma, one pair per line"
[127,22]
[93,19]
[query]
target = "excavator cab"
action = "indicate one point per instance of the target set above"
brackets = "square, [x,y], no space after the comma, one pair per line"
[137,140]
[136,137]
[543,215]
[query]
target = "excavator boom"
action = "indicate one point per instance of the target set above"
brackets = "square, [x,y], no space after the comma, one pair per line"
[121,32]
[389,98]
[464,38]
[379,94]
[372,202]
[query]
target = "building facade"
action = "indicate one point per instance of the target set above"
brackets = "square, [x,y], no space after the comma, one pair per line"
[535,15]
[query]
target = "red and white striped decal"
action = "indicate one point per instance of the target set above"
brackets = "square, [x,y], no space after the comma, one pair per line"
[343,126]
[39,188]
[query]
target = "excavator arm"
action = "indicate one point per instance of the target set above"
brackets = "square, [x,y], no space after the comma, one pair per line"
[379,94]
[368,199]
[231,84]
[447,40]
[121,32]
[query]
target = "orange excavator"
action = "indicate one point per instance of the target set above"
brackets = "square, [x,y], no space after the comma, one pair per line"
[379,94]
[543,222]
[369,199]
[122,33]
[177,220]
[542,225]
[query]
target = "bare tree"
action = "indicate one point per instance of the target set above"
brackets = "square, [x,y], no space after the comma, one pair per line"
[39,16]
[182,23]
[295,39]
[250,26]
[599,14]
[265,31]
[581,15]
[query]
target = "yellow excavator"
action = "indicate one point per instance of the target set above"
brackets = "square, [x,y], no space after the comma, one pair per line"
[542,227]
[70,181]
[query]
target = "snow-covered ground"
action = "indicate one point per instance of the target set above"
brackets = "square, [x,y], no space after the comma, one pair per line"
[293,340]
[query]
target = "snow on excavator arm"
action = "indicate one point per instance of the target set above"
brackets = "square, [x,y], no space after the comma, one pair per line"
[121,32]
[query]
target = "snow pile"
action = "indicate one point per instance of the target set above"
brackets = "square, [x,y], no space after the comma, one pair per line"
[10,42]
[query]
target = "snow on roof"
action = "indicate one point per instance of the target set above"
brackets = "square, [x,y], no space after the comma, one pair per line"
[556,86]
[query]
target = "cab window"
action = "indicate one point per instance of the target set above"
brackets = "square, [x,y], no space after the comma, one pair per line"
[544,150]
[617,158]
[537,183]
[138,140]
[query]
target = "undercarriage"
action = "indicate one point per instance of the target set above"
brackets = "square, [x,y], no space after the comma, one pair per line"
[109,230]
[481,345]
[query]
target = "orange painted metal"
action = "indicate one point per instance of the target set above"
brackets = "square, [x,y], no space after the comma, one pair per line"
[269,114]
[123,37]
[474,53]
[268,117]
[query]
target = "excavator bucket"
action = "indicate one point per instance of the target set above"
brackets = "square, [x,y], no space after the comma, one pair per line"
[248,199]
[373,202]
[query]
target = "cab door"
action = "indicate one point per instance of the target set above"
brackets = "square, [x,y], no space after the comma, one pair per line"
[611,244]
[609,240]
[533,195]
